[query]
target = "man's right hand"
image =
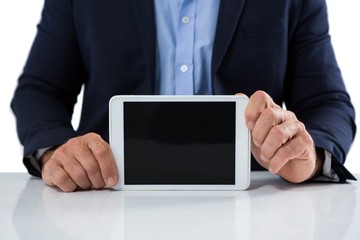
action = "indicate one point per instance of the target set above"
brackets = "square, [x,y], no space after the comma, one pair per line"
[84,162]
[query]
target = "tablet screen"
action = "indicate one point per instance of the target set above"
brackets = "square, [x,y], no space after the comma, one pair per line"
[179,143]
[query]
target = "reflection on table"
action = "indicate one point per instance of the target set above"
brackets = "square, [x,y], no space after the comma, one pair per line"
[270,209]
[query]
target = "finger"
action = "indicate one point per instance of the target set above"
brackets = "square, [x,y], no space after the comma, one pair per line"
[77,173]
[62,180]
[103,154]
[257,103]
[269,118]
[88,162]
[92,168]
[54,173]
[278,136]
[68,156]
[297,148]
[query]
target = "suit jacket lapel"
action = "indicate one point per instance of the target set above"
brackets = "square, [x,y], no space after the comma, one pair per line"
[228,19]
[145,16]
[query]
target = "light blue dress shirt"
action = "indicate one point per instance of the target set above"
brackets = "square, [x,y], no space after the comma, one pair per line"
[185,39]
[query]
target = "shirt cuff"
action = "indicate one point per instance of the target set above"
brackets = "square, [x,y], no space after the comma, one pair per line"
[40,152]
[328,174]
[35,157]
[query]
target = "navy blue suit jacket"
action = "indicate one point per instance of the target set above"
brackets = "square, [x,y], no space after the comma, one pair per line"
[281,47]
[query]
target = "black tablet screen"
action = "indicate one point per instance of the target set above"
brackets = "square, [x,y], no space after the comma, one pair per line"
[179,142]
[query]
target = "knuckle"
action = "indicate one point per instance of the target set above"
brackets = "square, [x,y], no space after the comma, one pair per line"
[73,142]
[63,181]
[260,94]
[263,97]
[59,154]
[280,131]
[78,176]
[291,114]
[92,169]
[59,177]
[305,136]
[301,126]
[269,113]
[81,180]
[92,135]
[101,149]
[50,167]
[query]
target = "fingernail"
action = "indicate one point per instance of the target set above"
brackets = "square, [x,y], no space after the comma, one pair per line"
[110,182]
[265,159]
[250,125]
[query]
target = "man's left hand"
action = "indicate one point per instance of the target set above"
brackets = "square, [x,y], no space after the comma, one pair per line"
[280,142]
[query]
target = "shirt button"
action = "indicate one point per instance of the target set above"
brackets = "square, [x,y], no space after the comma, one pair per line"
[185,19]
[184,68]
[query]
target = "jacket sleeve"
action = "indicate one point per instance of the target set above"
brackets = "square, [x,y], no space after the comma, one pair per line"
[315,90]
[47,89]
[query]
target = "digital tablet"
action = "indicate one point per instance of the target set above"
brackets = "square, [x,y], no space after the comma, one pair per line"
[180,142]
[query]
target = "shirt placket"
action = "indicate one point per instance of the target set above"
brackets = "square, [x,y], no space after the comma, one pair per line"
[185,34]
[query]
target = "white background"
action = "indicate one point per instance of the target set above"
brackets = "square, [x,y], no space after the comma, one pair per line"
[18,19]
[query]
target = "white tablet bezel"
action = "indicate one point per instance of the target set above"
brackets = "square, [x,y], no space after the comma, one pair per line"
[242,140]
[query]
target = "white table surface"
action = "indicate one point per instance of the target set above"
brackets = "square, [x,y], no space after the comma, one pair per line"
[270,209]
